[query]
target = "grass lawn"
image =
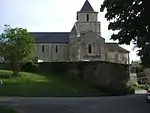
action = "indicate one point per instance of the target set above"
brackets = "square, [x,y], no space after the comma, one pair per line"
[4,109]
[29,84]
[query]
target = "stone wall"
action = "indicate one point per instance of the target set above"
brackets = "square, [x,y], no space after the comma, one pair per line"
[117,57]
[147,73]
[133,78]
[99,74]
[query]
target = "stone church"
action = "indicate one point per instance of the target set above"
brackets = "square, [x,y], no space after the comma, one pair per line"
[82,43]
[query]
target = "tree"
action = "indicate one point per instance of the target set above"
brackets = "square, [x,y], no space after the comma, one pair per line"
[17,47]
[131,19]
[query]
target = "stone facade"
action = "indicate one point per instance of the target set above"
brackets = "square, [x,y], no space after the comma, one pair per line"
[52,52]
[83,42]
[79,50]
[116,55]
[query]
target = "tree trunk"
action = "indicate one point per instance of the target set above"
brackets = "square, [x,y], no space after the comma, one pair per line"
[16,69]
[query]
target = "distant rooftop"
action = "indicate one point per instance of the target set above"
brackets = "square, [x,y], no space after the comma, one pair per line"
[115,46]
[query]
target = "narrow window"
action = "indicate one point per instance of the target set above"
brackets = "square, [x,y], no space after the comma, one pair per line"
[89,48]
[87,17]
[56,49]
[77,16]
[43,49]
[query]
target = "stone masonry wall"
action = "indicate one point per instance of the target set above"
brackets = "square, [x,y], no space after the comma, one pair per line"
[99,74]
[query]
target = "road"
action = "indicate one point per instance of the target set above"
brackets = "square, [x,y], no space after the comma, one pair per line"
[123,104]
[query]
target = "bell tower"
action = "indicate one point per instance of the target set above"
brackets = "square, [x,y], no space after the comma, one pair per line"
[87,19]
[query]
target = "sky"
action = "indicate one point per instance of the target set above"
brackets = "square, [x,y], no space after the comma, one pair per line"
[51,16]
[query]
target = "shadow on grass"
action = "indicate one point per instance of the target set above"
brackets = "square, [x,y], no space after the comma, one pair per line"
[48,85]
[44,90]
[6,109]
[40,85]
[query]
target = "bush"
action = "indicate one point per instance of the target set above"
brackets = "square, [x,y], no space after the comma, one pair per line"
[130,90]
[4,76]
[144,86]
[123,91]
[30,67]
[117,91]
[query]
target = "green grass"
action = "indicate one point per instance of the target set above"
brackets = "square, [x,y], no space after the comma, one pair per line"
[4,109]
[23,78]
[29,84]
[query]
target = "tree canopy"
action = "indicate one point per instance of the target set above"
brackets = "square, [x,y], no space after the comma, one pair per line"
[17,47]
[132,21]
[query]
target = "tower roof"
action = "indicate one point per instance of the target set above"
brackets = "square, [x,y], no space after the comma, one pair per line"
[87,7]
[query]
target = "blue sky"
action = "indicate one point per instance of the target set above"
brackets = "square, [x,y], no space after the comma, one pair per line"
[50,16]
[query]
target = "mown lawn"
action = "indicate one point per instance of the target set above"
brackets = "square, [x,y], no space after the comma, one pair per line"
[4,109]
[29,84]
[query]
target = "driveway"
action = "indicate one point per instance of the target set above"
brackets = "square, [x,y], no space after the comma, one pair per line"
[123,104]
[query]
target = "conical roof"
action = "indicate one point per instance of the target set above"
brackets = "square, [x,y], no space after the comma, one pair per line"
[87,7]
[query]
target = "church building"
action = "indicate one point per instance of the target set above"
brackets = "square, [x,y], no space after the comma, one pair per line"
[82,43]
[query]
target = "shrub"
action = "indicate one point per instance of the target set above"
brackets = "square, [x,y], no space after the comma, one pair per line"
[130,90]
[30,67]
[4,76]
[144,86]
[117,91]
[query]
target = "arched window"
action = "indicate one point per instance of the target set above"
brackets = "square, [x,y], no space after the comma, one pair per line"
[90,49]
[42,49]
[56,49]
[87,17]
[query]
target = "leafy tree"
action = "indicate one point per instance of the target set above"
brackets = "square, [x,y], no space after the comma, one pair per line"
[132,21]
[16,47]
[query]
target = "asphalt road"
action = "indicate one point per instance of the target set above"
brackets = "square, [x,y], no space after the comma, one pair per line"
[123,104]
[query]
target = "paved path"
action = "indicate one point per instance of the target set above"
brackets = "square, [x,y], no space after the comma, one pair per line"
[123,104]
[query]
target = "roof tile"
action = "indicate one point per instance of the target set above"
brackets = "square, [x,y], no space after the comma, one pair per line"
[50,37]
[116,47]
[87,7]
